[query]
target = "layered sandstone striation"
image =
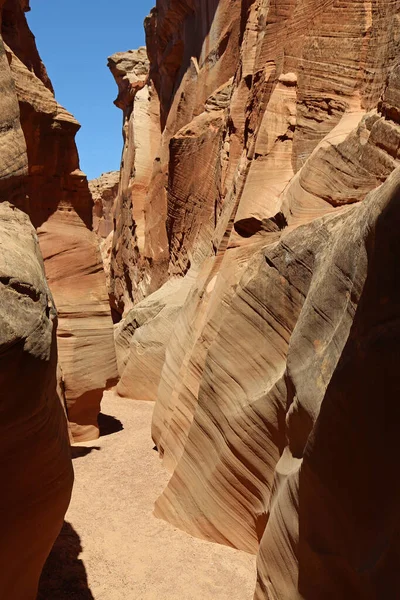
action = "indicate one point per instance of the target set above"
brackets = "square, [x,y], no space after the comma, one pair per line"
[35,464]
[59,204]
[272,204]
[137,222]
[104,192]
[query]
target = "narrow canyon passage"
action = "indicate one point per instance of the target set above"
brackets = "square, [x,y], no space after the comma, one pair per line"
[236,266]
[113,548]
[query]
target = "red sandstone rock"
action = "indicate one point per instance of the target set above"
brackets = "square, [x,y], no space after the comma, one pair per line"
[60,207]
[35,464]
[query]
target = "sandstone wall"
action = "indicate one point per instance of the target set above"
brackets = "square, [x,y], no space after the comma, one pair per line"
[133,215]
[35,464]
[104,192]
[275,187]
[59,204]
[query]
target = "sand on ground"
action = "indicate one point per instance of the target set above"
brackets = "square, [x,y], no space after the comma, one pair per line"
[113,548]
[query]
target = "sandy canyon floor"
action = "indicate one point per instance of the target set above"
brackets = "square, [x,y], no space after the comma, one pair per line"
[112,547]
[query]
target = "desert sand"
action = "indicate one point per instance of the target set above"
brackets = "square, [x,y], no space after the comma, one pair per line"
[112,547]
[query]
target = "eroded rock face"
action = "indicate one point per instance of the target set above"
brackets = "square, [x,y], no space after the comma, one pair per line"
[134,215]
[141,339]
[339,436]
[275,187]
[59,204]
[35,463]
[104,191]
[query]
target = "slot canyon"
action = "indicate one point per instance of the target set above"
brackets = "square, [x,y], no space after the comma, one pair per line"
[198,352]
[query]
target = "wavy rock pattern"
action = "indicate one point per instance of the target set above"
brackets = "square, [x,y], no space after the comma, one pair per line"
[325,531]
[35,463]
[277,183]
[59,204]
[141,339]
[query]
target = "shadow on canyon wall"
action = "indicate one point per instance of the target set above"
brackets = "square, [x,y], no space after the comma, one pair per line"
[64,575]
[352,507]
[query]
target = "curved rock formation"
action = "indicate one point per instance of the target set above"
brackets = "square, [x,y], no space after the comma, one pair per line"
[330,531]
[135,218]
[276,192]
[59,204]
[35,464]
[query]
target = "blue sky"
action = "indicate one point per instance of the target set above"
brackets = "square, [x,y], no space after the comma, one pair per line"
[74,39]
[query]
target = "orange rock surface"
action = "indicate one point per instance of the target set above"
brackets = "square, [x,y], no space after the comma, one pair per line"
[35,464]
[60,207]
[104,191]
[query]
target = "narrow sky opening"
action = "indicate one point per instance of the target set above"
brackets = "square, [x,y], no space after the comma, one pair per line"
[74,39]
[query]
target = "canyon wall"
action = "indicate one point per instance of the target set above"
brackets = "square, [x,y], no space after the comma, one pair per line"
[35,464]
[104,192]
[255,265]
[59,204]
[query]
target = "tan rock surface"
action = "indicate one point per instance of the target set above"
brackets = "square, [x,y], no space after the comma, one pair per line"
[134,216]
[141,339]
[327,518]
[104,191]
[278,121]
[113,548]
[59,204]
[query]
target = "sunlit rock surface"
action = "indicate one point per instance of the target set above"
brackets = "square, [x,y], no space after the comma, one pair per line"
[138,223]
[274,196]
[104,191]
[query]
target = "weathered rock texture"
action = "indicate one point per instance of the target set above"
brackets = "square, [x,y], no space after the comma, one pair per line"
[139,223]
[104,191]
[59,204]
[274,194]
[35,463]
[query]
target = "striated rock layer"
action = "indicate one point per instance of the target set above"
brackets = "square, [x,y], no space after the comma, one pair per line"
[271,208]
[59,204]
[104,192]
[137,222]
[35,464]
